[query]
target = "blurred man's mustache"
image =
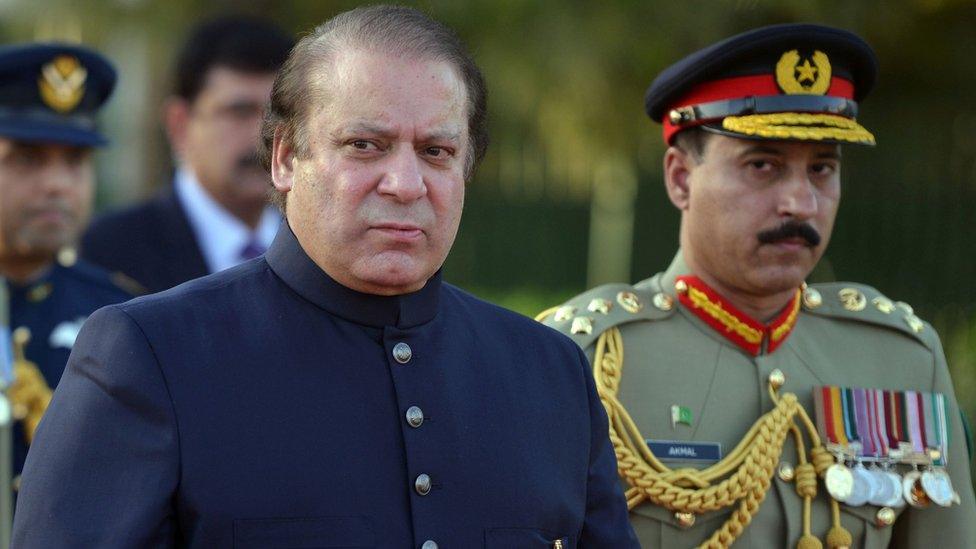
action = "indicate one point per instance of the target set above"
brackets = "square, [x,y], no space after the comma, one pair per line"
[791,229]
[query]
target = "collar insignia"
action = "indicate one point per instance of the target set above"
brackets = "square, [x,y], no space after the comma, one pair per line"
[810,76]
[62,83]
[736,326]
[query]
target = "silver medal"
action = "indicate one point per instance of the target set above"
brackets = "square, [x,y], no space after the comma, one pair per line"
[889,493]
[839,481]
[865,487]
[938,487]
[912,490]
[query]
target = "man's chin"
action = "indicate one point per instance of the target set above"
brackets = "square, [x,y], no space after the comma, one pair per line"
[775,279]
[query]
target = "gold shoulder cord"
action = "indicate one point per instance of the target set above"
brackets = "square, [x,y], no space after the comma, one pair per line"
[29,394]
[741,478]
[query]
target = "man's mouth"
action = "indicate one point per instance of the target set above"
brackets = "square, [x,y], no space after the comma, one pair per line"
[403,232]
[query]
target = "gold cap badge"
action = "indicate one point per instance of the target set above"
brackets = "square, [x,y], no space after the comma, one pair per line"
[62,83]
[806,77]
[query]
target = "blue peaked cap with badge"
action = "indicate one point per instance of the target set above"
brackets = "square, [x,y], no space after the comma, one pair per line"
[50,93]
[800,82]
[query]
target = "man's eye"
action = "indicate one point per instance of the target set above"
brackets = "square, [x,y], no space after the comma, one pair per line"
[760,165]
[361,144]
[438,153]
[26,158]
[823,169]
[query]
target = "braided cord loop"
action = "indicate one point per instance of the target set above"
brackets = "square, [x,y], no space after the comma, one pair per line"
[742,478]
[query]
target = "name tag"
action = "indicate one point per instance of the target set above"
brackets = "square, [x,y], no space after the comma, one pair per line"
[676,450]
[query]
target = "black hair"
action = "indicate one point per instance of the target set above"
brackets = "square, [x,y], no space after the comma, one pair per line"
[238,42]
[692,141]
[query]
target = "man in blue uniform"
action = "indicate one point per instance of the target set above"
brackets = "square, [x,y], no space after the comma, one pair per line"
[335,392]
[49,95]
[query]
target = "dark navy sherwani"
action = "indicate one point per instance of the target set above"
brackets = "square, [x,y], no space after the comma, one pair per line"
[265,406]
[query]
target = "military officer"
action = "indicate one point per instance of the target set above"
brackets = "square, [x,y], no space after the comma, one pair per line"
[334,392]
[748,407]
[49,96]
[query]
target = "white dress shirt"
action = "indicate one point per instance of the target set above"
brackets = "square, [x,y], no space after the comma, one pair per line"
[219,233]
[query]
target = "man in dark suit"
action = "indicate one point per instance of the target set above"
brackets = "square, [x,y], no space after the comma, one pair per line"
[216,213]
[335,392]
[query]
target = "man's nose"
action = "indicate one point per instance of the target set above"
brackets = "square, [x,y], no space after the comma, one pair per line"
[798,198]
[403,180]
[57,178]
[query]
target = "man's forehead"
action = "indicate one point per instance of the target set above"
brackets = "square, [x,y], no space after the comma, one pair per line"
[231,81]
[743,146]
[379,125]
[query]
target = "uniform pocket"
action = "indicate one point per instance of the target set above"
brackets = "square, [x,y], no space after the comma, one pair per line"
[657,527]
[862,523]
[304,533]
[527,538]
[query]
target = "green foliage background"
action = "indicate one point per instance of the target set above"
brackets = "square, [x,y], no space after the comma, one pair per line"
[566,82]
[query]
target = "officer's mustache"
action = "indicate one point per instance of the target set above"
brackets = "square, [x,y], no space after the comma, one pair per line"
[791,229]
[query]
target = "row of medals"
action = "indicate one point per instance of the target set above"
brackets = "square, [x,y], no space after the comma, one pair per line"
[851,482]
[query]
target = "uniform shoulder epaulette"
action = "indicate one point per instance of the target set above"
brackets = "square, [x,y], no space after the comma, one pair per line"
[864,303]
[586,316]
[94,275]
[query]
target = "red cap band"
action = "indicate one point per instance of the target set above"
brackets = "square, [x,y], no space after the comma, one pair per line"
[737,88]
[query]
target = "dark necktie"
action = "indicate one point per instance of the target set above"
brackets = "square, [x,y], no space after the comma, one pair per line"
[251,250]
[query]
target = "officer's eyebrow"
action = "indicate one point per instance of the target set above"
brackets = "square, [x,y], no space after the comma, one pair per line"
[760,149]
[826,154]
[832,154]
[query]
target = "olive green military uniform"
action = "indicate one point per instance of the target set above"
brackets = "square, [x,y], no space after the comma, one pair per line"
[672,357]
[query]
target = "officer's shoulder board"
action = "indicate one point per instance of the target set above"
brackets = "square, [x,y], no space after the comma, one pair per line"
[586,316]
[863,303]
[93,275]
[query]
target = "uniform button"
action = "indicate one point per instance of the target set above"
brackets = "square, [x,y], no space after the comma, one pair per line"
[415,416]
[429,544]
[786,472]
[777,378]
[422,484]
[885,517]
[402,353]
[684,520]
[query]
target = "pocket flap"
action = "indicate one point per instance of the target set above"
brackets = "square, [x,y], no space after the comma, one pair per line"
[304,533]
[527,538]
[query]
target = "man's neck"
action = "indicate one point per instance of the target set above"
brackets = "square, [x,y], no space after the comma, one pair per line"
[762,308]
[248,215]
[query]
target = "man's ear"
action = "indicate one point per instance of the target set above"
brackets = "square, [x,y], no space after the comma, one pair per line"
[282,161]
[176,119]
[678,165]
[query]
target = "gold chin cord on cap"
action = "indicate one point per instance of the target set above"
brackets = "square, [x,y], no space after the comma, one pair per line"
[740,479]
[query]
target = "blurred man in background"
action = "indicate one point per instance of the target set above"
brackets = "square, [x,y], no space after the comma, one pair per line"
[49,96]
[216,214]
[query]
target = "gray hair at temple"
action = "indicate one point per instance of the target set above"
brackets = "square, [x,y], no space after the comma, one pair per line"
[395,30]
